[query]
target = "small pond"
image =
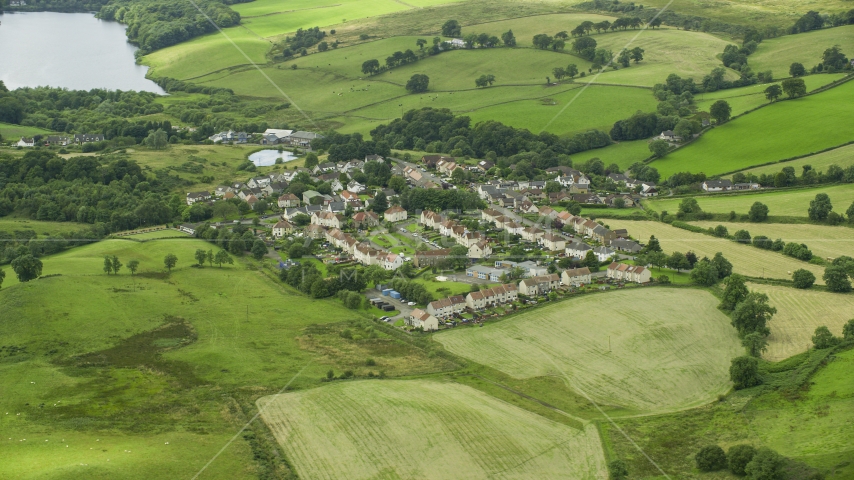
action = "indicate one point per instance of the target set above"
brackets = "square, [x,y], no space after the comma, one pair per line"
[266,158]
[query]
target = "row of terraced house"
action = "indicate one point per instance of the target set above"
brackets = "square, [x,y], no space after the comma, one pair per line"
[478,246]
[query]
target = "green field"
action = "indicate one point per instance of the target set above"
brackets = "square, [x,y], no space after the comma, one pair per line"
[623,154]
[777,54]
[756,13]
[799,313]
[824,241]
[13,133]
[42,228]
[747,98]
[158,234]
[842,157]
[748,140]
[787,203]
[641,372]
[745,259]
[424,429]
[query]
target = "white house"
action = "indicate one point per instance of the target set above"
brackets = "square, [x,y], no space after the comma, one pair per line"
[552,242]
[447,307]
[717,185]
[26,142]
[480,249]
[577,249]
[419,318]
[281,228]
[194,197]
[628,273]
[395,214]
[576,276]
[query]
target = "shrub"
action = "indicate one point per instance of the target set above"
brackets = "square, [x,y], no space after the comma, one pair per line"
[711,459]
[744,372]
[823,338]
[720,231]
[618,470]
[663,279]
[765,465]
[758,212]
[797,250]
[803,278]
[763,242]
[738,456]
[370,362]
[742,236]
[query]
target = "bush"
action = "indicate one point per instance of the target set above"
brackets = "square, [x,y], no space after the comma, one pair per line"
[711,459]
[663,279]
[803,278]
[742,236]
[766,465]
[738,456]
[618,470]
[823,338]
[720,231]
[797,250]
[763,242]
[744,372]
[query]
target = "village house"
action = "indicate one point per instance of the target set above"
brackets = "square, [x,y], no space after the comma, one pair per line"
[303,139]
[491,297]
[577,249]
[603,254]
[602,235]
[552,242]
[420,319]
[288,200]
[484,165]
[430,161]
[485,273]
[26,142]
[717,185]
[328,219]
[395,214]
[363,220]
[427,258]
[273,136]
[315,231]
[576,277]
[82,138]
[57,140]
[282,228]
[194,197]
[529,268]
[628,273]
[480,249]
[539,285]
[447,307]
[626,245]
[669,136]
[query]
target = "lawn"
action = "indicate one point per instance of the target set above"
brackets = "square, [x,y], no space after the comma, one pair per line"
[824,241]
[842,157]
[659,358]
[786,203]
[424,429]
[799,313]
[777,54]
[745,259]
[748,140]
[13,133]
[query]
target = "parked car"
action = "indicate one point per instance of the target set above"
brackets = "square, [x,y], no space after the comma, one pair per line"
[411,304]
[385,319]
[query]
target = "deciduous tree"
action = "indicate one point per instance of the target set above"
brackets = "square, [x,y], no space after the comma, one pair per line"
[418,83]
[744,372]
[758,212]
[133,265]
[773,92]
[169,261]
[27,267]
[720,111]
[803,279]
[820,207]
[752,314]
[755,343]
[794,87]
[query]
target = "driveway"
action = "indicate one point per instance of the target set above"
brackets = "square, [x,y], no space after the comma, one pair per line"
[403,308]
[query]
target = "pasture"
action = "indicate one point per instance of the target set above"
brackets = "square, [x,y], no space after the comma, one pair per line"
[777,54]
[842,157]
[748,140]
[757,13]
[424,429]
[42,228]
[12,133]
[126,364]
[747,98]
[660,359]
[786,203]
[746,259]
[274,24]
[824,241]
[623,154]
[799,313]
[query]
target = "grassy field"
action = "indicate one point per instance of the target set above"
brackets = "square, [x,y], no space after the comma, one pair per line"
[657,360]
[42,228]
[748,141]
[777,54]
[793,203]
[158,234]
[132,363]
[623,154]
[424,429]
[747,98]
[13,133]
[799,313]
[842,157]
[746,259]
[824,241]
[756,13]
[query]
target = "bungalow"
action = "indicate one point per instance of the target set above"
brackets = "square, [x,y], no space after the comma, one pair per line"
[552,242]
[420,319]
[325,167]
[717,185]
[618,178]
[82,138]
[625,245]
[576,277]
[373,158]
[431,257]
[26,142]
[281,228]
[447,307]
[57,140]
[628,273]
[347,195]
[365,219]
[539,285]
[577,249]
[603,254]
[355,187]
[480,249]
[395,214]
[746,186]
[288,200]
[628,201]
[194,197]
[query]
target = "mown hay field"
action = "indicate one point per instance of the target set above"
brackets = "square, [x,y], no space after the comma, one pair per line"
[768,135]
[745,259]
[786,203]
[424,429]
[842,157]
[823,240]
[669,348]
[799,313]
